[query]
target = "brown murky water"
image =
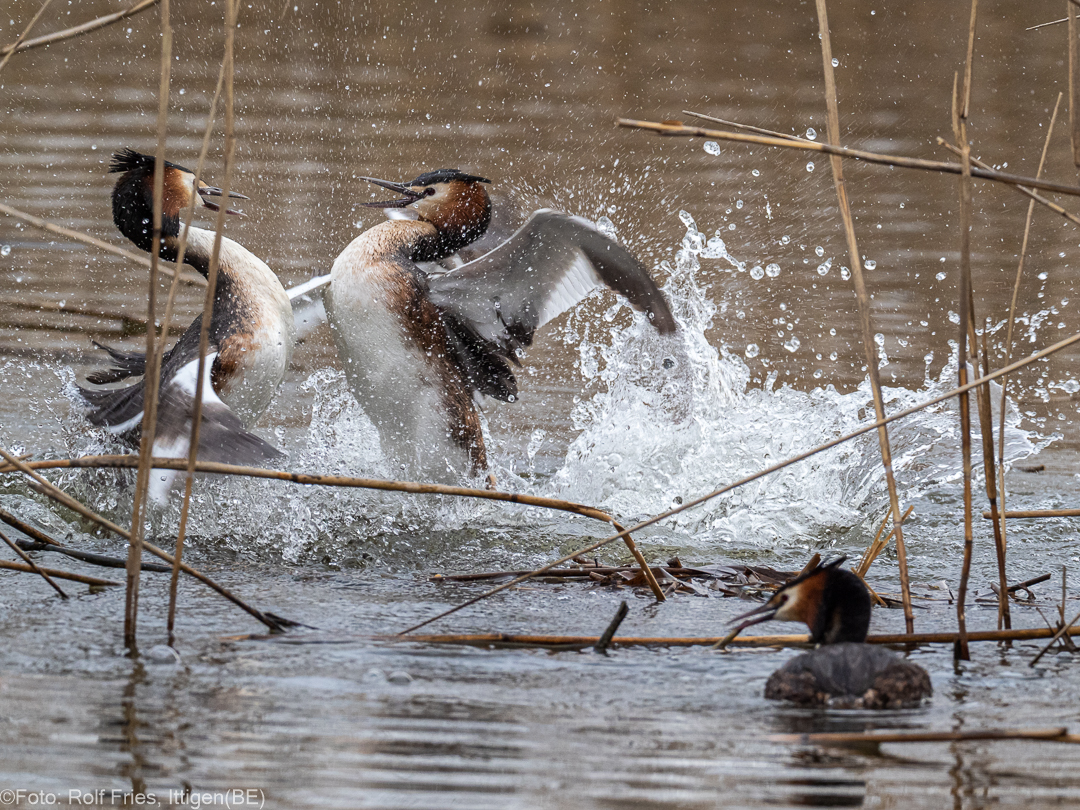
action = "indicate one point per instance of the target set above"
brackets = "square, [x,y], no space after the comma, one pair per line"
[527,94]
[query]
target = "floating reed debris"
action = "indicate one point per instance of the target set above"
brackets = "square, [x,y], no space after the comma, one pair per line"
[32,565]
[52,572]
[1013,514]
[794,640]
[1060,734]
[680,130]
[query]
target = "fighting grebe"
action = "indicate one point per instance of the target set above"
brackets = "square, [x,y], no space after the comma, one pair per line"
[251,332]
[418,347]
[844,671]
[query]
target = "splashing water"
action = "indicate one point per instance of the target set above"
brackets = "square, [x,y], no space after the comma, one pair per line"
[673,418]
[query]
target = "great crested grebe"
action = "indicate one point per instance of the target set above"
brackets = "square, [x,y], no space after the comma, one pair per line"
[844,671]
[418,347]
[251,332]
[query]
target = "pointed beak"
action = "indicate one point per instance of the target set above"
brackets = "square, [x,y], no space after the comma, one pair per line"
[760,614]
[400,188]
[213,191]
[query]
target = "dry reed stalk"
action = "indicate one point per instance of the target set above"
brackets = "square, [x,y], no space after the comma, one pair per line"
[1014,514]
[1045,24]
[86,239]
[76,31]
[22,36]
[679,130]
[228,69]
[152,377]
[1065,629]
[32,565]
[181,250]
[877,737]
[879,545]
[746,127]
[1074,85]
[961,651]
[61,497]
[605,640]
[794,640]
[1063,593]
[986,426]
[26,528]
[1001,511]
[863,296]
[52,572]
[1027,192]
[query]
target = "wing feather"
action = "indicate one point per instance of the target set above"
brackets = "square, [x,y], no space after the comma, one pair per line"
[549,265]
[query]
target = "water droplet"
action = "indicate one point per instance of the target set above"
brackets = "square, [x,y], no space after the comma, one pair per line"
[756,173]
[1042,276]
[835,62]
[757,272]
[940,276]
[785,239]
[793,344]
[819,250]
[817,374]
[954,317]
[5,250]
[687,219]
[811,134]
[810,166]
[870,264]
[879,339]
[772,270]
[712,147]
[845,274]
[752,350]
[823,268]
[739,204]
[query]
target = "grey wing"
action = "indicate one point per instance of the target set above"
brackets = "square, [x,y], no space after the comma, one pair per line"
[551,263]
[222,437]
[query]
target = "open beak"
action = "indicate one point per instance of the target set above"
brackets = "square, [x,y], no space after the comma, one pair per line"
[400,188]
[213,191]
[759,614]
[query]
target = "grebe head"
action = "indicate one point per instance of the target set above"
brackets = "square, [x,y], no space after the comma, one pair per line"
[833,602]
[133,196]
[457,204]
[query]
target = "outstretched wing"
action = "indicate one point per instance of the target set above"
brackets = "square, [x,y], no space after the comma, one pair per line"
[551,263]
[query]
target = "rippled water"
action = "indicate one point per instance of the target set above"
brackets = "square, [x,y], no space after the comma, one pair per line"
[768,363]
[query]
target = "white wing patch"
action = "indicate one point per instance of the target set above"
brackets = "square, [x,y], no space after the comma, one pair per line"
[308,286]
[578,281]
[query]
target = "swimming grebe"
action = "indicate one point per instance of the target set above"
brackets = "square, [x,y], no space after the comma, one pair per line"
[418,347]
[845,671]
[251,332]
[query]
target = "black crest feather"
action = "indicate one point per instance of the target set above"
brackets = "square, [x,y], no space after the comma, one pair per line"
[128,159]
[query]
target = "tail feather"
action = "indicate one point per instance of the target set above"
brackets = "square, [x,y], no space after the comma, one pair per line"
[125,364]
